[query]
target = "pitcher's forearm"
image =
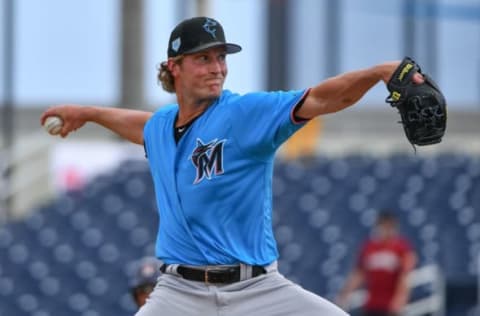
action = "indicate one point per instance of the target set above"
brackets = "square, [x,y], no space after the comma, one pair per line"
[126,123]
[344,90]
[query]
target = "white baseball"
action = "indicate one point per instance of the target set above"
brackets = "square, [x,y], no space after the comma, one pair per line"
[53,125]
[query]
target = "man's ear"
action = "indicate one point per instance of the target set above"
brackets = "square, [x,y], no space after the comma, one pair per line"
[172,66]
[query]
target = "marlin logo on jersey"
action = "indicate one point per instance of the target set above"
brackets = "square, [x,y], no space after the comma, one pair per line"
[208,159]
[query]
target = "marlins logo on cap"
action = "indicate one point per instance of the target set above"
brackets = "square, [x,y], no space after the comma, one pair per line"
[209,27]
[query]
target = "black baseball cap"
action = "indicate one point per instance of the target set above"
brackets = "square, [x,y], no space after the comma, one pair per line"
[197,34]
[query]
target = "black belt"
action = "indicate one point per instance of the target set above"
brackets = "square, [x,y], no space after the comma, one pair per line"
[214,274]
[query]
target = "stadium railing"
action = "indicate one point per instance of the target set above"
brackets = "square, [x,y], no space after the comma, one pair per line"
[28,185]
[431,304]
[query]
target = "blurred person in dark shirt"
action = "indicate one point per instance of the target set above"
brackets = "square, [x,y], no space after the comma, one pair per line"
[147,271]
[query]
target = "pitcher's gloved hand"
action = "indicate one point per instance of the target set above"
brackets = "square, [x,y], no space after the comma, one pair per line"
[422,107]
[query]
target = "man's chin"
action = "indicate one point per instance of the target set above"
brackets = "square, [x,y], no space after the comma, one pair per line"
[210,98]
[212,94]
[215,92]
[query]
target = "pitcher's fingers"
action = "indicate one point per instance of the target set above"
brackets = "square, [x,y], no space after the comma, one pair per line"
[49,112]
[418,78]
[64,133]
[66,129]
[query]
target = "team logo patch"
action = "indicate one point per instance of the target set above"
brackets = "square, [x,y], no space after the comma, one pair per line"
[208,159]
[209,27]
[176,44]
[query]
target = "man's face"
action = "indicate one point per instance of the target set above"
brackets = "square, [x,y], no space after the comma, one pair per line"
[201,75]
[386,229]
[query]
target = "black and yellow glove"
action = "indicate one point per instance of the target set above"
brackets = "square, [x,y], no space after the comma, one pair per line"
[422,107]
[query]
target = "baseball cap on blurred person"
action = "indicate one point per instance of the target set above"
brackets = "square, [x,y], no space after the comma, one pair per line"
[197,34]
[144,278]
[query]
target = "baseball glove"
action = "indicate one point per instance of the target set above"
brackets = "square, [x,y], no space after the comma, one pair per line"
[422,107]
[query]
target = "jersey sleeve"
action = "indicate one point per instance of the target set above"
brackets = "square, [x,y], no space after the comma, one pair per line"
[145,149]
[406,251]
[147,134]
[361,256]
[151,128]
[262,121]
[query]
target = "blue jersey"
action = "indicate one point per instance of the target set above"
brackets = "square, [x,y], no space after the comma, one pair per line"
[214,187]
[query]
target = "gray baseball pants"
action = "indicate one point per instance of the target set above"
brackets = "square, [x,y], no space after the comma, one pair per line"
[270,294]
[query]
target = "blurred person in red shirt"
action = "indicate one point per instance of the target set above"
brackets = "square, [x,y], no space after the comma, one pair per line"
[383,265]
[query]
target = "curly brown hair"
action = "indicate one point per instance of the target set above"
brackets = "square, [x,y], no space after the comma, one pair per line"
[164,75]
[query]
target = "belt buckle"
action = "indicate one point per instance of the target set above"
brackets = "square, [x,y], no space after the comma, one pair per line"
[205,278]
